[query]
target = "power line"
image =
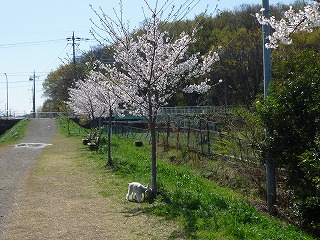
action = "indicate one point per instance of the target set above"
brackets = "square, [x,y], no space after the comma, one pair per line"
[26,44]
[22,74]
[55,59]
[22,81]
[16,87]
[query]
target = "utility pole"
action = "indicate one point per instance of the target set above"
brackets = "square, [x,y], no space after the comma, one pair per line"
[267,72]
[7,95]
[74,39]
[34,94]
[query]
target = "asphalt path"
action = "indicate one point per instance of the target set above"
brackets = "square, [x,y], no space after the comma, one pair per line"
[16,163]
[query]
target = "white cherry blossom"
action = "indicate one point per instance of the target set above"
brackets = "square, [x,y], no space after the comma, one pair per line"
[292,21]
[152,65]
[82,100]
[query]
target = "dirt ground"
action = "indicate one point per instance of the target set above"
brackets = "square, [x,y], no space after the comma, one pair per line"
[61,198]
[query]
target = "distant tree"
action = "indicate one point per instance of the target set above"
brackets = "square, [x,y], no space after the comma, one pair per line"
[56,86]
[83,101]
[48,106]
[98,53]
[240,67]
[58,82]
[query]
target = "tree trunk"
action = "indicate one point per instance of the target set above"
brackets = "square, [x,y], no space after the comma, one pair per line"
[152,124]
[109,138]
[68,121]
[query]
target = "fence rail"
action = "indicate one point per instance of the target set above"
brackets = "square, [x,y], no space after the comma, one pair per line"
[203,139]
[194,110]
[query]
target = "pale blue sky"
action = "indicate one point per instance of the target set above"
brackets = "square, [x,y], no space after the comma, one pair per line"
[33,37]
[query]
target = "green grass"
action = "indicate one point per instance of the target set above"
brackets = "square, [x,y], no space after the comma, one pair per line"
[17,132]
[205,210]
[73,128]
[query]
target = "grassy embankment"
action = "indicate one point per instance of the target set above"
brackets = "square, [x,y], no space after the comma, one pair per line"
[205,210]
[17,132]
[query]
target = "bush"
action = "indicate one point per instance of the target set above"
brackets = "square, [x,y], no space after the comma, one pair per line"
[291,115]
[309,190]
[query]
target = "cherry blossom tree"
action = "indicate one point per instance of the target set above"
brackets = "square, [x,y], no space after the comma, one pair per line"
[107,93]
[149,65]
[83,102]
[292,21]
[95,97]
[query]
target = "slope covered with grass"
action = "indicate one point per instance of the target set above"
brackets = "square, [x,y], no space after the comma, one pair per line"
[204,209]
[15,133]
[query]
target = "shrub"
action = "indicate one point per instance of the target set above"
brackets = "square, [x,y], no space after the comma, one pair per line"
[291,115]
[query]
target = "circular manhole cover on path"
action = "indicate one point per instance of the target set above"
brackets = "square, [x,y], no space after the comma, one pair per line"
[32,145]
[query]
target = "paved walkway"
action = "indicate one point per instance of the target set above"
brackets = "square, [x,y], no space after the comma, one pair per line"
[16,162]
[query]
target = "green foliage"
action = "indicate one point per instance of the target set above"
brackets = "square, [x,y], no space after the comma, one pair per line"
[17,132]
[239,66]
[244,135]
[301,41]
[68,127]
[236,35]
[56,86]
[309,189]
[291,115]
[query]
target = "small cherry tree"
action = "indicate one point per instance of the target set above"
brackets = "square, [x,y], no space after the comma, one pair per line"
[292,21]
[149,66]
[95,97]
[107,93]
[82,100]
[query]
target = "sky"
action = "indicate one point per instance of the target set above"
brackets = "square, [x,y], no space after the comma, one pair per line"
[33,39]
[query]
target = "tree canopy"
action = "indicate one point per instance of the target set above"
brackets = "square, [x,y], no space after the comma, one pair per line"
[240,65]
